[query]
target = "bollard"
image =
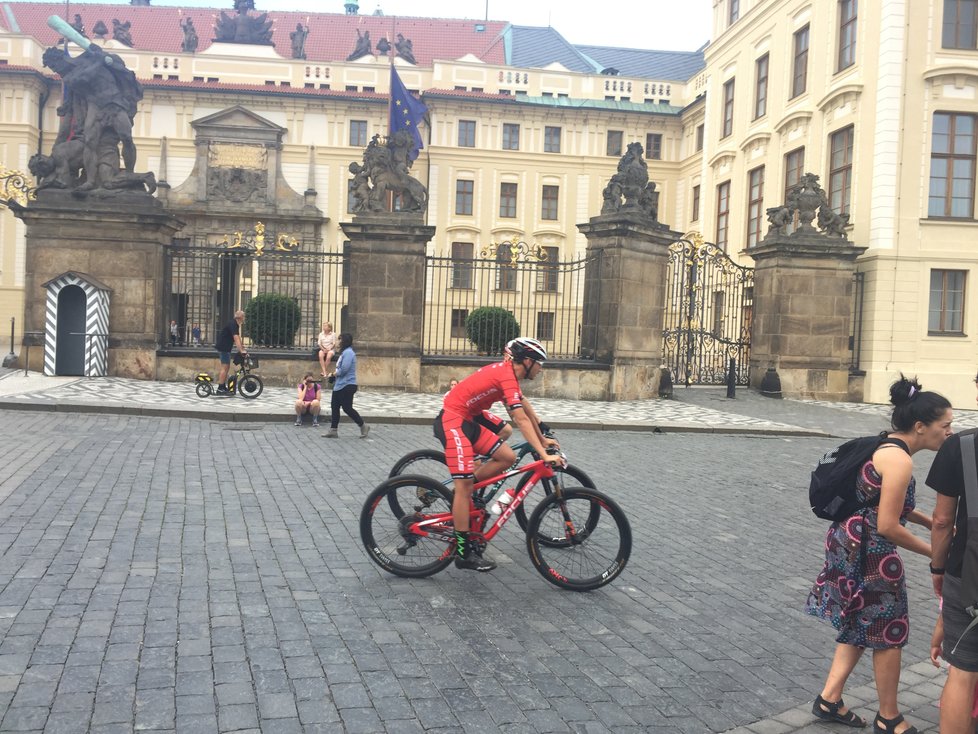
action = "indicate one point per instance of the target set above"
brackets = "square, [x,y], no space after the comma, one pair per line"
[665,382]
[11,359]
[771,384]
[732,379]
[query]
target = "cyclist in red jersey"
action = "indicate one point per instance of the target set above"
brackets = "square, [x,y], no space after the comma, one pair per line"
[464,430]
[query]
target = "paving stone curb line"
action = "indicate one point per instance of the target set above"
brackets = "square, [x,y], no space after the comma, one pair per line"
[385,418]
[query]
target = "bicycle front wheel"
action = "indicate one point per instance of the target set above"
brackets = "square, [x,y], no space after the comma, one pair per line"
[385,524]
[566,476]
[203,389]
[428,462]
[251,386]
[586,558]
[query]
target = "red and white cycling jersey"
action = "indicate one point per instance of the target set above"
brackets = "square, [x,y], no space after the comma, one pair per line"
[478,391]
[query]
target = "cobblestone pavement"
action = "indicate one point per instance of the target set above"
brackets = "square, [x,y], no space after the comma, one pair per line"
[183,575]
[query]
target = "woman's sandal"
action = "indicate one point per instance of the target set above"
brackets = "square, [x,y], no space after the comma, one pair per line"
[828,711]
[888,726]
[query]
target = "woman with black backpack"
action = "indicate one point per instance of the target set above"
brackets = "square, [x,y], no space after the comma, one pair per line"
[861,589]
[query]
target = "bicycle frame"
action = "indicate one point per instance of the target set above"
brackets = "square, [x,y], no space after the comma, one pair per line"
[540,470]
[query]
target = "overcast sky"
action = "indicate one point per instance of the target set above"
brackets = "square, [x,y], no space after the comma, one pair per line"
[676,25]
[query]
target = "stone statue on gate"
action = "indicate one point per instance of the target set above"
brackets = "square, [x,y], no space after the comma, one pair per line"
[630,189]
[96,122]
[385,170]
[806,200]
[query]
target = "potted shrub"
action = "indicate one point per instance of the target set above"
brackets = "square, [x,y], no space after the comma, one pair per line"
[272,320]
[490,327]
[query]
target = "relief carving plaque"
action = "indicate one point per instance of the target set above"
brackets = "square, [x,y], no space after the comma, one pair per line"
[231,155]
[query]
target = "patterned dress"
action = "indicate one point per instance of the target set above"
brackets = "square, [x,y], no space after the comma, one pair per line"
[861,589]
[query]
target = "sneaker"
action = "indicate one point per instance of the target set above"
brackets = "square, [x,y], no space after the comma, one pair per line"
[222,388]
[474,562]
[298,421]
[315,423]
[331,433]
[364,430]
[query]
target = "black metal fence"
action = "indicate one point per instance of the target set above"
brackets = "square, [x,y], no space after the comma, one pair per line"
[205,285]
[546,298]
[856,322]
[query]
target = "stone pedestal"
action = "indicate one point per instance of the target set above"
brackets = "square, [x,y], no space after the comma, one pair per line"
[624,300]
[803,286]
[117,239]
[385,306]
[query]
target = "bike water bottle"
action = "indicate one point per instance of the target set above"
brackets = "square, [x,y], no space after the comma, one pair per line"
[502,501]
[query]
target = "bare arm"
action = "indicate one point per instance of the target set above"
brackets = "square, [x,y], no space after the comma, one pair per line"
[531,432]
[535,419]
[941,533]
[919,518]
[896,468]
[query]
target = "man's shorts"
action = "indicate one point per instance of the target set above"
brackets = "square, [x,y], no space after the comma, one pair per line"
[492,422]
[463,439]
[225,357]
[956,621]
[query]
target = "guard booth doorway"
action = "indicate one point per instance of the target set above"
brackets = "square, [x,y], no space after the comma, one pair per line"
[76,326]
[70,350]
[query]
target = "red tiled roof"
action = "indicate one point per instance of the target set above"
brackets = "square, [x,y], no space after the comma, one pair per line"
[332,36]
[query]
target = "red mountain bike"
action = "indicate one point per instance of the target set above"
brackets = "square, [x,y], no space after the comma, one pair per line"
[577,538]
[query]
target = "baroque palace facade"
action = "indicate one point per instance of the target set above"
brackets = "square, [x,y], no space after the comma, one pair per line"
[525,129]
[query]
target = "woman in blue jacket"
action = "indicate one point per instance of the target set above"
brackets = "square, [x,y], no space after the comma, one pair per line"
[344,388]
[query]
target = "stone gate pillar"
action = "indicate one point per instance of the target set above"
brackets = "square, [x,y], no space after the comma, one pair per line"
[803,281]
[117,240]
[385,302]
[802,311]
[624,300]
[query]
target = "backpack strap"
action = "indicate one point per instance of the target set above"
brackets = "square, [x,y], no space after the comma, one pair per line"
[890,441]
[969,470]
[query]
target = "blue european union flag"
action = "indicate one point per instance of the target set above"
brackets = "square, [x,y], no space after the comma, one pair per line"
[406,112]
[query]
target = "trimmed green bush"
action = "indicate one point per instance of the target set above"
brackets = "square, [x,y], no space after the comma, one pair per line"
[272,320]
[490,327]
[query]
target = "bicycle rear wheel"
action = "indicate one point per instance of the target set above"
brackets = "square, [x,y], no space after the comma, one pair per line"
[587,558]
[384,526]
[567,476]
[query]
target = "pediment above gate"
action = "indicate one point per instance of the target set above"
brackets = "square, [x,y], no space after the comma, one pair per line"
[239,124]
[239,164]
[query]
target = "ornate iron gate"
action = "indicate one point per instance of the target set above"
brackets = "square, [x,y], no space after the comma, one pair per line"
[709,302]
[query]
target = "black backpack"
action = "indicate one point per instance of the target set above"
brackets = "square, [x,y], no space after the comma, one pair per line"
[832,491]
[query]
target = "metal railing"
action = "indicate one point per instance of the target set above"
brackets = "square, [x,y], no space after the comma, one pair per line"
[546,298]
[205,285]
[856,322]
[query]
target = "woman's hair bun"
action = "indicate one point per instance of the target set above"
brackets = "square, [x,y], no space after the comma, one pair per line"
[904,389]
